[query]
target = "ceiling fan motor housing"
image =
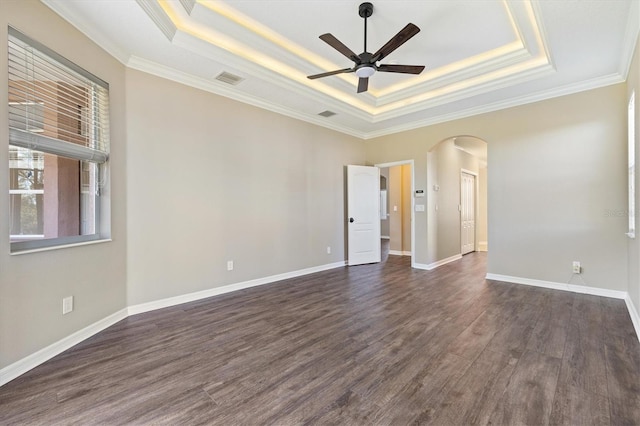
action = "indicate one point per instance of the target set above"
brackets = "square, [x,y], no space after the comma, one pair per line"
[365,10]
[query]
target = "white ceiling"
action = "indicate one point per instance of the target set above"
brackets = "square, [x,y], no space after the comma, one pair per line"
[480,55]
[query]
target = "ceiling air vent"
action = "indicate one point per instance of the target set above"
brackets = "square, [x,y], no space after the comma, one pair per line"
[227,77]
[327,113]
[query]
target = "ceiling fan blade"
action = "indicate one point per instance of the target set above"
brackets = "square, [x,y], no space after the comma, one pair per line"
[326,74]
[363,84]
[406,69]
[340,47]
[398,40]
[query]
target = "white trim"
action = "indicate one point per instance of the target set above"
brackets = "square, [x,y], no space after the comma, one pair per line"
[223,89]
[438,263]
[595,291]
[61,246]
[633,313]
[155,12]
[569,89]
[413,200]
[23,365]
[630,38]
[483,246]
[70,15]
[67,12]
[215,291]
[400,253]
[20,367]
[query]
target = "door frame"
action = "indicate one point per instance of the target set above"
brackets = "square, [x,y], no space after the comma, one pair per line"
[413,199]
[476,191]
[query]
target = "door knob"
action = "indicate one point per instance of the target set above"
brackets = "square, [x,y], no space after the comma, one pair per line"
[351,220]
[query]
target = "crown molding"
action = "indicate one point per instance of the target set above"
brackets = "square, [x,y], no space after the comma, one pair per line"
[221,89]
[473,90]
[454,77]
[630,39]
[78,22]
[570,89]
[153,9]
[188,5]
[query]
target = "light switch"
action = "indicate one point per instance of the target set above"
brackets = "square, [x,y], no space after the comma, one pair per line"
[419,207]
[395,208]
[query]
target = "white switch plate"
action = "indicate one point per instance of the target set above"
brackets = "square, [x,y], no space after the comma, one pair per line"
[67,305]
[419,207]
[230,265]
[328,249]
[577,268]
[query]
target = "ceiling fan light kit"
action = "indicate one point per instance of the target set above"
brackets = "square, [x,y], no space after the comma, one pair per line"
[365,63]
[365,71]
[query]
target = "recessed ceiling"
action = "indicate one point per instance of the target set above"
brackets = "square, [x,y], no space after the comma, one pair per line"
[480,55]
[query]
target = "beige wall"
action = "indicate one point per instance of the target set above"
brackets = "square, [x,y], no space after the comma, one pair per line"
[448,162]
[555,167]
[481,225]
[633,84]
[211,180]
[32,285]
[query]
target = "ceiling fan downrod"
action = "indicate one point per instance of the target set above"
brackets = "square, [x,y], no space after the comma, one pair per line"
[365,10]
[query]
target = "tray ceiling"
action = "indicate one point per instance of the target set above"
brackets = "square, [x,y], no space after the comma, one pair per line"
[480,56]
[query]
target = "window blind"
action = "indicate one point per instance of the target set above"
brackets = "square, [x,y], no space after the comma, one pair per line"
[55,106]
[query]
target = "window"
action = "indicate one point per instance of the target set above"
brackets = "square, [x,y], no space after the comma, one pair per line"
[632,166]
[58,148]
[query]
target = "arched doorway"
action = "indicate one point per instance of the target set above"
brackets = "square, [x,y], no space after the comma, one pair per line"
[457,202]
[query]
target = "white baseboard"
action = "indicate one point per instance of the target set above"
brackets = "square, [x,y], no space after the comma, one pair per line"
[215,291]
[20,367]
[633,313]
[483,246]
[438,263]
[400,253]
[595,291]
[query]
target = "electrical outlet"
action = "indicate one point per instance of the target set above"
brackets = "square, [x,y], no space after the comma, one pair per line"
[576,267]
[67,305]
[229,265]
[328,249]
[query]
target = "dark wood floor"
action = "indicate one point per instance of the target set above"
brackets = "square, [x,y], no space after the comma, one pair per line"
[374,344]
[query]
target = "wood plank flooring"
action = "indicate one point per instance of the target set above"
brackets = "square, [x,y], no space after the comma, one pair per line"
[372,344]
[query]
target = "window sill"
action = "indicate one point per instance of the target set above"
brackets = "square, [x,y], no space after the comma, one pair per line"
[61,246]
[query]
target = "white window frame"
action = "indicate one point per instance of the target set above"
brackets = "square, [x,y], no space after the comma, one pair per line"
[94,124]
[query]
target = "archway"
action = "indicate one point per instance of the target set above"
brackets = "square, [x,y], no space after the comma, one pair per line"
[456,163]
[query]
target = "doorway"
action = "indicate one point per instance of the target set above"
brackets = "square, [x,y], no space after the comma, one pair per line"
[456,200]
[397,209]
[468,212]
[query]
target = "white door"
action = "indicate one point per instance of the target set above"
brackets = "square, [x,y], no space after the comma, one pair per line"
[363,214]
[468,212]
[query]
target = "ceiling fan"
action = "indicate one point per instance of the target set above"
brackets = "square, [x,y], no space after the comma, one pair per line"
[365,63]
